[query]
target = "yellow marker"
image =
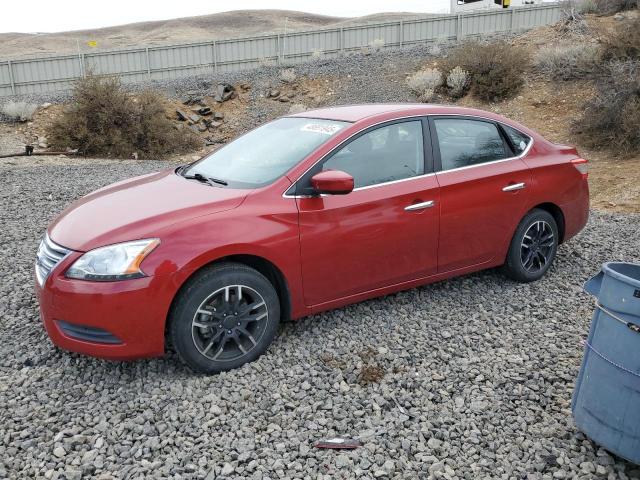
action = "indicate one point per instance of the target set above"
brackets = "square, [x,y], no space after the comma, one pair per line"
[92,43]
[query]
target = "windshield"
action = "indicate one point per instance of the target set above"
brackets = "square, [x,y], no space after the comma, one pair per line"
[266,153]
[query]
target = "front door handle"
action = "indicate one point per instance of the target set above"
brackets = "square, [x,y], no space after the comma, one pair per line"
[420,206]
[513,187]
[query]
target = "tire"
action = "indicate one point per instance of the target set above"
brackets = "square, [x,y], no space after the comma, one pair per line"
[226,316]
[524,262]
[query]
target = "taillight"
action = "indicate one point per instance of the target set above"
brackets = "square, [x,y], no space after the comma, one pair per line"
[582,166]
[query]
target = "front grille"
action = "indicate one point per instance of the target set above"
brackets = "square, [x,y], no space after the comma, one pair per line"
[49,255]
[88,334]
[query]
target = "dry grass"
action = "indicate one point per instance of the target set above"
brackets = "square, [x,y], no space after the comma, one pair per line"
[370,374]
[102,119]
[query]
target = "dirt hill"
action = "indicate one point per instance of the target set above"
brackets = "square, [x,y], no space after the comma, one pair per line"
[239,23]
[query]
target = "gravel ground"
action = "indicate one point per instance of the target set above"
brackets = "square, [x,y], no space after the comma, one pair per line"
[469,378]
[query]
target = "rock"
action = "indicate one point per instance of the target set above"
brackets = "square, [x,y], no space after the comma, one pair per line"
[195,118]
[204,111]
[73,474]
[218,115]
[434,443]
[227,469]
[59,452]
[182,115]
[224,92]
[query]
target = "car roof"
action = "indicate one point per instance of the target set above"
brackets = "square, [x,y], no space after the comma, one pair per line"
[355,113]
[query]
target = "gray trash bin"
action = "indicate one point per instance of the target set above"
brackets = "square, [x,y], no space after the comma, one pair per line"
[606,399]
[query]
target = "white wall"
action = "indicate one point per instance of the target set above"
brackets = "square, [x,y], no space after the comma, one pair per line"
[487,4]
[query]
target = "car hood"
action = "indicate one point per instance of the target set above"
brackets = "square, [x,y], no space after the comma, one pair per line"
[138,208]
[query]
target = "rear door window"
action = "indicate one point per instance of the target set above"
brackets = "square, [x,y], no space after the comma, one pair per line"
[465,142]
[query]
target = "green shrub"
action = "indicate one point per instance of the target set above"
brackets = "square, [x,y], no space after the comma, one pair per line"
[612,117]
[102,119]
[496,69]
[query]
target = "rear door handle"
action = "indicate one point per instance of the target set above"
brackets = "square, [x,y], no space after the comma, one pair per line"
[513,187]
[420,206]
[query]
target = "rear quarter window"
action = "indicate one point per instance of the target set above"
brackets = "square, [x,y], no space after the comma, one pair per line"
[519,141]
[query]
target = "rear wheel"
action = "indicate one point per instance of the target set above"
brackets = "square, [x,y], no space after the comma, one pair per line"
[533,247]
[226,316]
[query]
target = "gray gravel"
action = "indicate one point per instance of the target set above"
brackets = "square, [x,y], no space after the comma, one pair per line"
[478,374]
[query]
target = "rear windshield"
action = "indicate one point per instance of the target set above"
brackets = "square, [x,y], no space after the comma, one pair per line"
[266,153]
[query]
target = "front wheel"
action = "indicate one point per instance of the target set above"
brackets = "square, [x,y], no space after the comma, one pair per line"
[533,247]
[225,317]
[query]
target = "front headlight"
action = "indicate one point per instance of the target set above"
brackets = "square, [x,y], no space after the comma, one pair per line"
[113,262]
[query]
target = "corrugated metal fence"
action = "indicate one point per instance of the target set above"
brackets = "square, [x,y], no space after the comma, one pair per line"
[55,73]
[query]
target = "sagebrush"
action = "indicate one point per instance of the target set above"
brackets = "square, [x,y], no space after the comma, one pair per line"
[102,119]
[288,75]
[612,117]
[497,69]
[19,111]
[567,62]
[424,83]
[458,81]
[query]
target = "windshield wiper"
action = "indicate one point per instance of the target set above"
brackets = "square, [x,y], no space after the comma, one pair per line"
[210,180]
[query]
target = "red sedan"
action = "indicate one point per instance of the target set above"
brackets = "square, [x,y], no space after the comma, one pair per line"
[306,213]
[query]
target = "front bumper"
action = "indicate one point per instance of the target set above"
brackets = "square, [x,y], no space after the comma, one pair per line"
[132,312]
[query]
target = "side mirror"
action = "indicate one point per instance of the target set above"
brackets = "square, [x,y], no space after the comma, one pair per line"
[332,182]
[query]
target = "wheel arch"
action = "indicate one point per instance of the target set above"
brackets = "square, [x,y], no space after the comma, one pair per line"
[263,265]
[557,214]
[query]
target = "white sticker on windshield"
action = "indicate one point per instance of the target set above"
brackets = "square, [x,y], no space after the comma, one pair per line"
[325,129]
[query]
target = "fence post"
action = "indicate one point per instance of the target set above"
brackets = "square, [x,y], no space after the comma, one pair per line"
[81,65]
[341,41]
[215,56]
[146,50]
[401,33]
[459,27]
[13,84]
[279,52]
[511,21]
